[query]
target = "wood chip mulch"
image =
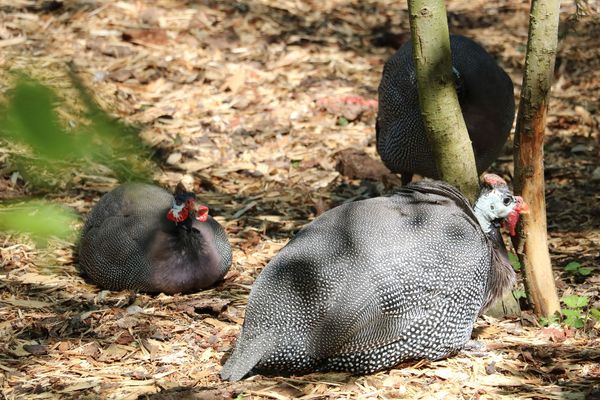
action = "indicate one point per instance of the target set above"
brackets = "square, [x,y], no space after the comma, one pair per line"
[267,109]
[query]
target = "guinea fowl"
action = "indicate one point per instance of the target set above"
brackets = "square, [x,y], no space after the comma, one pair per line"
[141,237]
[371,283]
[485,94]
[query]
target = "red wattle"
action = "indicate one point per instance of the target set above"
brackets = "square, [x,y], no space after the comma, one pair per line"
[202,214]
[180,217]
[511,222]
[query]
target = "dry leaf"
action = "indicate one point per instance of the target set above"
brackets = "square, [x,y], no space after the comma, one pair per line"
[152,36]
[26,303]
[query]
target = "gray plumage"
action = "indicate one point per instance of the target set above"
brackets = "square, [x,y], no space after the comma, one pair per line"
[486,98]
[369,284]
[128,243]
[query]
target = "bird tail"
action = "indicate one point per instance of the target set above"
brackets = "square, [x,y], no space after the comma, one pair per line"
[245,356]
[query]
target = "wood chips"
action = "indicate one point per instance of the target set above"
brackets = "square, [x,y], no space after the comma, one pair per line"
[253,104]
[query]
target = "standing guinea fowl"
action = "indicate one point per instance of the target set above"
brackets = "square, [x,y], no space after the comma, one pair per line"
[369,284]
[141,237]
[485,94]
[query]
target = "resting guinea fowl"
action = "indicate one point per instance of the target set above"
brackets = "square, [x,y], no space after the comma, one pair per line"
[369,284]
[141,237]
[485,94]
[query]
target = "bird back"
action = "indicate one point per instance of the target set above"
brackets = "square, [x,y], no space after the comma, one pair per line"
[406,273]
[486,99]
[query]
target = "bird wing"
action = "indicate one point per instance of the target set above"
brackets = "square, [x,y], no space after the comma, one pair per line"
[110,253]
[405,287]
[376,312]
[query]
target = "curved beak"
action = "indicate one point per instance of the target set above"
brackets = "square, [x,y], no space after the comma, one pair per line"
[522,207]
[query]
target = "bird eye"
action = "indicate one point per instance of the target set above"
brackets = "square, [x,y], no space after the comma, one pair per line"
[507,200]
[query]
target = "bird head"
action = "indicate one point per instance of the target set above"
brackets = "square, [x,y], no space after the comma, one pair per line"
[184,208]
[497,204]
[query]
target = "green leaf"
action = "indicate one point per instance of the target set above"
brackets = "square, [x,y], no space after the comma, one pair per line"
[514,261]
[570,312]
[585,271]
[573,266]
[574,301]
[549,320]
[595,313]
[573,318]
[342,121]
[575,322]
[41,220]
[30,118]
[295,163]
[178,141]
[519,294]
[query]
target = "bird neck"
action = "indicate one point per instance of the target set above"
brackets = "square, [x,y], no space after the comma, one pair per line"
[483,216]
[502,276]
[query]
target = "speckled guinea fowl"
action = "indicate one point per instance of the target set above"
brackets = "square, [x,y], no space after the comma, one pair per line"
[369,284]
[486,98]
[141,237]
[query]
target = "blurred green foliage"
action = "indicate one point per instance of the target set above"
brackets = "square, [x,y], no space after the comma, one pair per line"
[30,119]
[48,155]
[39,219]
[573,313]
[519,294]
[514,261]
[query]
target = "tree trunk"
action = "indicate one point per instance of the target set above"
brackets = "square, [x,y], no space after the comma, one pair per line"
[531,243]
[444,123]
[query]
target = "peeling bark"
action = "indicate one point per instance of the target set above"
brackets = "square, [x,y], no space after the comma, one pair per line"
[531,243]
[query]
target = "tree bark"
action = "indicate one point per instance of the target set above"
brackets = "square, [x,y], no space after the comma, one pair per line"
[446,129]
[531,243]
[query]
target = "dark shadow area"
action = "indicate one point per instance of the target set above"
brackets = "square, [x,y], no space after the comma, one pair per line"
[554,364]
[348,34]
[74,323]
[318,29]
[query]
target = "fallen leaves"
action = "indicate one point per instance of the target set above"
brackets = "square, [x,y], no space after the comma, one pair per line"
[269,107]
[349,107]
[557,334]
[26,303]
[148,37]
[356,164]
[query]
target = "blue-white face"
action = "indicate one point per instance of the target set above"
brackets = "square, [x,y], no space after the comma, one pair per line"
[499,204]
[496,204]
